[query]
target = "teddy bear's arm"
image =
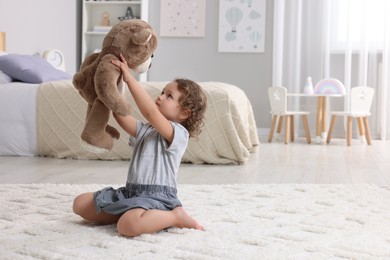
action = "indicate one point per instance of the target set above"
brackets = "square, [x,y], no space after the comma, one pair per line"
[83,81]
[107,78]
[80,78]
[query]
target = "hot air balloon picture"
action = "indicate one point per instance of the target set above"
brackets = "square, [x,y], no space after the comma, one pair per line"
[241,25]
[255,37]
[249,2]
[233,16]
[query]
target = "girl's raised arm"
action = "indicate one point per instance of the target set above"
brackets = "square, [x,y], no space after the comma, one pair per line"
[145,103]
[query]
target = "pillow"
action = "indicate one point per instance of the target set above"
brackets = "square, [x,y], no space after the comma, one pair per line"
[30,68]
[4,78]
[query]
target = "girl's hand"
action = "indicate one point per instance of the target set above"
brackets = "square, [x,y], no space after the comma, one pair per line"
[122,64]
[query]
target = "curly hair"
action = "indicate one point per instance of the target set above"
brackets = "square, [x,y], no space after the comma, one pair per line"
[193,100]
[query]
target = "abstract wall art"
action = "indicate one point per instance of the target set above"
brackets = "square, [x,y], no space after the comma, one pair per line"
[184,18]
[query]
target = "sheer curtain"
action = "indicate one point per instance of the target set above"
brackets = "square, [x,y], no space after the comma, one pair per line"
[344,39]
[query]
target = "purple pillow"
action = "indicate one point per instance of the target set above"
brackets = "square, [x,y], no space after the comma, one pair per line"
[4,78]
[30,68]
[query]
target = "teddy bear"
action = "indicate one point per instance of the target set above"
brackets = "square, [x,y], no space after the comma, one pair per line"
[100,83]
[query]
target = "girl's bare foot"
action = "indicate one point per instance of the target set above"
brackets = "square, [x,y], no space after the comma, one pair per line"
[185,220]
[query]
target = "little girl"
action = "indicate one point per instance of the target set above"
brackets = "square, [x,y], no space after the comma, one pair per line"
[149,203]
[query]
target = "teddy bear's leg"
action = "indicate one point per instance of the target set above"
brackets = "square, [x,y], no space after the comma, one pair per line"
[109,129]
[94,132]
[88,111]
[112,131]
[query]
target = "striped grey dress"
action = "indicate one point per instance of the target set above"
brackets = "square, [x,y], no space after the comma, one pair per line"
[151,180]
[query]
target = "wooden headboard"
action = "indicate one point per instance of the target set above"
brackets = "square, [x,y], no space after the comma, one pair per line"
[2,41]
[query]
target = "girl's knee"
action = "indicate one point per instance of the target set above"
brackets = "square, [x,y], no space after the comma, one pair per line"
[128,225]
[82,202]
[127,228]
[77,205]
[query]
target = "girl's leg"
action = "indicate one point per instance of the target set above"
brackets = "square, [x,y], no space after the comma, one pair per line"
[84,206]
[139,221]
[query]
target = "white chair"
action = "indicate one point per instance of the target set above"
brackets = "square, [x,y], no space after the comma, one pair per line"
[278,100]
[361,100]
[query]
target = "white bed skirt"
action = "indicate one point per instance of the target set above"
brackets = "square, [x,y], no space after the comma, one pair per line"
[18,131]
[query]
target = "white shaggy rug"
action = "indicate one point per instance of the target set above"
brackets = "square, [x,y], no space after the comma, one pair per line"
[302,221]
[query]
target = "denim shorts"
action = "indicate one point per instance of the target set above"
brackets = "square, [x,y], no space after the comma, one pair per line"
[118,201]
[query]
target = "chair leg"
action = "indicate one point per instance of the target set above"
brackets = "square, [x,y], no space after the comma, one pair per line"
[279,129]
[307,129]
[367,130]
[292,128]
[361,129]
[287,132]
[331,126]
[349,130]
[271,131]
[323,117]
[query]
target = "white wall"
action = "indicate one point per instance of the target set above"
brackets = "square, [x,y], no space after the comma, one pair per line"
[34,26]
[199,59]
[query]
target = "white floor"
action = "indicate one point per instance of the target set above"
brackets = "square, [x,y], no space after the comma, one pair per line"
[274,162]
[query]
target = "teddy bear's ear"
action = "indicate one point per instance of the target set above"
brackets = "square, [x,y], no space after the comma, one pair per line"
[142,37]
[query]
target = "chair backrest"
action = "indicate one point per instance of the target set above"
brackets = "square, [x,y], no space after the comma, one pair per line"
[278,99]
[361,99]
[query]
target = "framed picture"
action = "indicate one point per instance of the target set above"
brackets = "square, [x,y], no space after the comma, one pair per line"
[241,25]
[184,18]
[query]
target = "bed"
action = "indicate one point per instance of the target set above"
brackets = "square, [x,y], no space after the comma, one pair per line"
[18,135]
[42,114]
[47,119]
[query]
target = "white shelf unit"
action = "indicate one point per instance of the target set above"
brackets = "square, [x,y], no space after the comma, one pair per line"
[93,15]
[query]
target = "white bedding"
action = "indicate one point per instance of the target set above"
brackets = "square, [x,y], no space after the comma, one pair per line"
[18,130]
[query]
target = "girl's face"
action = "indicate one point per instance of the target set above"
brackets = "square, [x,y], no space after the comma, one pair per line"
[168,103]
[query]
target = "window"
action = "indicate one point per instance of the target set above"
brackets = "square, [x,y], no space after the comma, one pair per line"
[359,23]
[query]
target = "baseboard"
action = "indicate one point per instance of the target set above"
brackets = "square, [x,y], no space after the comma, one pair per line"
[261,132]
